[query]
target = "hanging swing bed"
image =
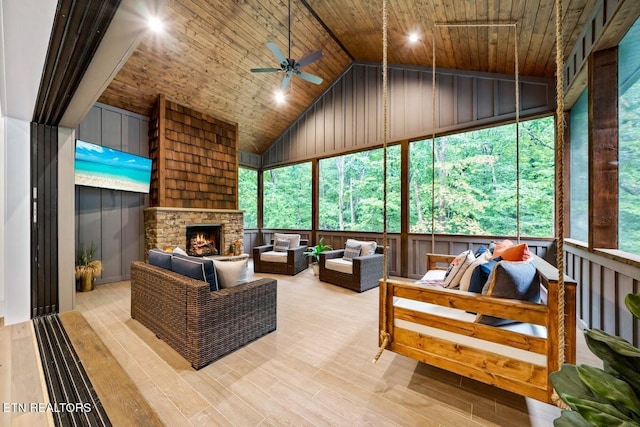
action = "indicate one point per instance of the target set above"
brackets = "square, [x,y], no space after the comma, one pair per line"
[503,341]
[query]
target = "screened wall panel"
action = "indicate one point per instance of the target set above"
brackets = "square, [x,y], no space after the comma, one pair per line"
[348,116]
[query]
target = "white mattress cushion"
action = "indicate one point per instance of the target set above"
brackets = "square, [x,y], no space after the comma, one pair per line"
[339,264]
[273,256]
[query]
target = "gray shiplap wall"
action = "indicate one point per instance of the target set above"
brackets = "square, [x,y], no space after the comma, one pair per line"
[348,115]
[112,219]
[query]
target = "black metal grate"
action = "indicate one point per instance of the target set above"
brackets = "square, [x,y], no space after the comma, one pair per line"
[73,399]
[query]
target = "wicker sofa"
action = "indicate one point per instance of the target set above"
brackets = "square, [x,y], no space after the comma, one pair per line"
[199,324]
[296,261]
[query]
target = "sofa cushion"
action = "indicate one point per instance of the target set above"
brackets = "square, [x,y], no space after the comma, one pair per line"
[273,256]
[501,247]
[481,274]
[513,280]
[516,253]
[231,273]
[339,264]
[482,258]
[457,268]
[196,268]
[294,239]
[351,251]
[160,258]
[366,247]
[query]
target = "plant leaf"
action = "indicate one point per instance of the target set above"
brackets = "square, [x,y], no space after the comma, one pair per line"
[600,414]
[619,345]
[567,381]
[627,367]
[632,301]
[614,390]
[570,419]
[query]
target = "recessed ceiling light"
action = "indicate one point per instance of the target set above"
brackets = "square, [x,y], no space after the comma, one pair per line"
[414,37]
[280,98]
[155,24]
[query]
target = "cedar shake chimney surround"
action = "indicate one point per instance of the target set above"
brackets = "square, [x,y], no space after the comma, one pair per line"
[194,179]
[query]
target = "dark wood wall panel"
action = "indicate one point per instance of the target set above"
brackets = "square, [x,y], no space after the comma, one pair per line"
[348,116]
[603,284]
[112,219]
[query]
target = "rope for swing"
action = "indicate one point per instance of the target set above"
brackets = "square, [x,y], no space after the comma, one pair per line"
[384,334]
[560,177]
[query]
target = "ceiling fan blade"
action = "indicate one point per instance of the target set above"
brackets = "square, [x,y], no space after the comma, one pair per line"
[286,80]
[309,77]
[277,53]
[265,70]
[312,57]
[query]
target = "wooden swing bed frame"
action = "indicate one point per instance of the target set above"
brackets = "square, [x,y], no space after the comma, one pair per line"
[513,371]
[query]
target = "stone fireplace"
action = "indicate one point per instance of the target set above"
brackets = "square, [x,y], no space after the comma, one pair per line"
[168,227]
[204,239]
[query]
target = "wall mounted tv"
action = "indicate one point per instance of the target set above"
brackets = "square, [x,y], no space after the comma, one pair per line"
[103,167]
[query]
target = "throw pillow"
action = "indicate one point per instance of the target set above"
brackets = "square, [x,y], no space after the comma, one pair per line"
[160,258]
[516,253]
[196,268]
[465,281]
[481,274]
[294,239]
[514,280]
[366,247]
[482,249]
[231,273]
[457,268]
[351,251]
[178,250]
[500,247]
[282,245]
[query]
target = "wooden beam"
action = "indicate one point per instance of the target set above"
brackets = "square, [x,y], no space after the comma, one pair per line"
[405,187]
[603,149]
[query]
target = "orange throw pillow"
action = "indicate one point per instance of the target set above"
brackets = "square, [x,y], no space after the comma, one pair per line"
[516,253]
[500,247]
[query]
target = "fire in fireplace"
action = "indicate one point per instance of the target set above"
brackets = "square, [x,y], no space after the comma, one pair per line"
[204,239]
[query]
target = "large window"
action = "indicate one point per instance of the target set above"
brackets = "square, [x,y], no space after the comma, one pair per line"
[629,141]
[579,169]
[351,191]
[248,196]
[476,181]
[287,197]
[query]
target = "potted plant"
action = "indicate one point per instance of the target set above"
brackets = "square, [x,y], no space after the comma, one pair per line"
[87,268]
[314,253]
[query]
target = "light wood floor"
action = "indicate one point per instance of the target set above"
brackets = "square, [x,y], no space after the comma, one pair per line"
[314,370]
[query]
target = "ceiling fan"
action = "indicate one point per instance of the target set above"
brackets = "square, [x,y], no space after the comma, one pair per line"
[290,66]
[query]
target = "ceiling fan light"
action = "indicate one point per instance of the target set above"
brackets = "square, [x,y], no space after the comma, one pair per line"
[414,37]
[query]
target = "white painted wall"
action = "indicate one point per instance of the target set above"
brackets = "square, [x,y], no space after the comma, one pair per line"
[17,230]
[2,221]
[25,28]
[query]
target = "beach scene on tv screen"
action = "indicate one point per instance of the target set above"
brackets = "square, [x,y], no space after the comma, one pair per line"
[97,166]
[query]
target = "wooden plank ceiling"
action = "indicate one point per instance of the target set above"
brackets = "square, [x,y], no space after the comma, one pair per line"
[203,58]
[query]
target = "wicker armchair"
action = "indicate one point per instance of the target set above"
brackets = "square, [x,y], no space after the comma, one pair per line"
[199,324]
[296,260]
[366,270]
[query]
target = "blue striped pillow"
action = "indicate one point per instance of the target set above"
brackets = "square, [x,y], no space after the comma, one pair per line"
[351,251]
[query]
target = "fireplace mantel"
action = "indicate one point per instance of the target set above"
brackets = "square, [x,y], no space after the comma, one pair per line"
[166,226]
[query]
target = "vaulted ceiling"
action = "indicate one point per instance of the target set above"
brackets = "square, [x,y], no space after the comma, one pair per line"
[203,58]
